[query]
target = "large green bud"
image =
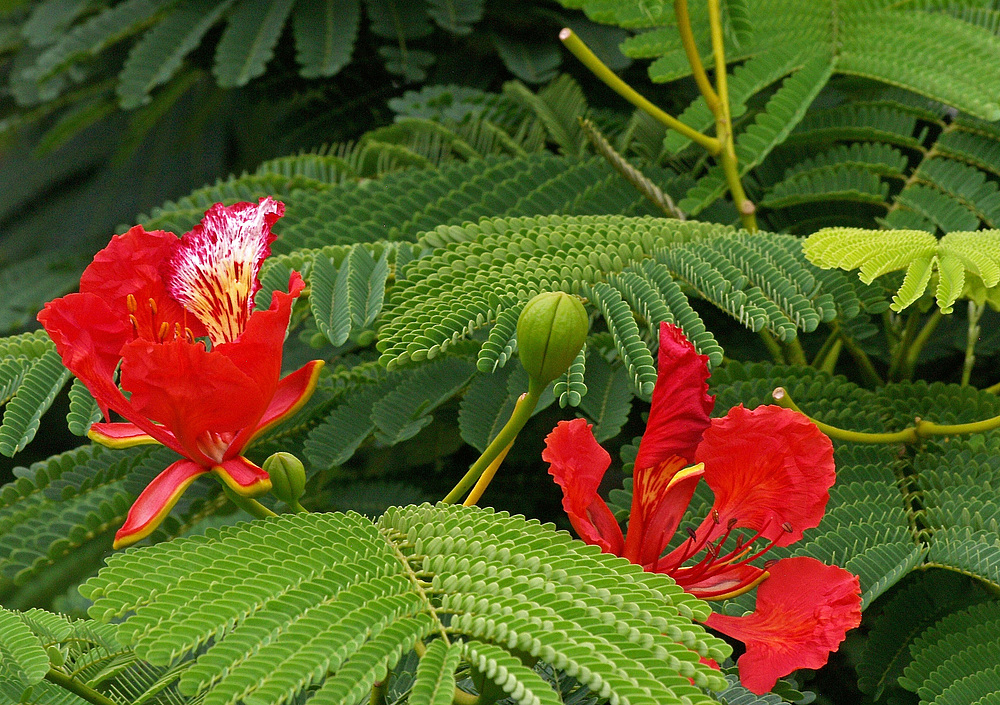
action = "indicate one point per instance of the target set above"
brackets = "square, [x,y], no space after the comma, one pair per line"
[288,477]
[550,332]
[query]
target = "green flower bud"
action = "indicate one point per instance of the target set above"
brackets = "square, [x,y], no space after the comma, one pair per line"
[550,332]
[288,477]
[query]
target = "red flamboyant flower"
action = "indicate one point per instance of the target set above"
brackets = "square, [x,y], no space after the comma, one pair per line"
[145,305]
[770,470]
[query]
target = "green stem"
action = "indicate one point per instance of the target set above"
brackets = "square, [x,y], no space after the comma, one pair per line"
[912,434]
[899,354]
[723,120]
[975,313]
[379,693]
[523,409]
[597,67]
[862,360]
[772,345]
[993,389]
[694,56]
[77,688]
[794,352]
[248,504]
[824,349]
[829,363]
[913,353]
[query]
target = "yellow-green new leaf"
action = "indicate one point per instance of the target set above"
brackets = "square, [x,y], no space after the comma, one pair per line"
[966,263]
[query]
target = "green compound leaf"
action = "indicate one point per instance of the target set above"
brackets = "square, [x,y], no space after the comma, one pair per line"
[38,389]
[434,682]
[965,263]
[22,656]
[325,32]
[249,40]
[334,601]
[83,409]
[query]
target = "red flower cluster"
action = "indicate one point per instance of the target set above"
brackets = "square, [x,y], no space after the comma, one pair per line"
[145,305]
[770,470]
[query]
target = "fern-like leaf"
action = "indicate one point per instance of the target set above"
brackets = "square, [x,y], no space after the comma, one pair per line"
[158,55]
[38,389]
[248,41]
[325,32]
[344,599]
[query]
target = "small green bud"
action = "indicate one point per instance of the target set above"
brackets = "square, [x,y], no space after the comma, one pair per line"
[550,332]
[288,477]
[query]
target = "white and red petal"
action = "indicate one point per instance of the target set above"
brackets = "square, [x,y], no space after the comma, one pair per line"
[213,270]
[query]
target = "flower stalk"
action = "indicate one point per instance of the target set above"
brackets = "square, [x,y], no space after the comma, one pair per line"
[497,450]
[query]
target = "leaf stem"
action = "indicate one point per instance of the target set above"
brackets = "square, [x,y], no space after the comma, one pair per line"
[795,354]
[975,313]
[919,341]
[77,688]
[912,434]
[599,69]
[861,358]
[721,111]
[694,56]
[773,346]
[248,504]
[523,409]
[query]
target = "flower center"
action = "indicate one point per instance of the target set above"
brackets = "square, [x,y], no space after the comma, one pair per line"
[715,561]
[214,445]
[145,325]
[213,272]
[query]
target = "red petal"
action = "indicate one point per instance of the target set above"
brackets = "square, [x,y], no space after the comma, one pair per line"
[804,610]
[681,402]
[89,339]
[243,477]
[156,501]
[120,435]
[213,269]
[131,264]
[578,464]
[257,352]
[768,467]
[660,494]
[291,395]
[191,392]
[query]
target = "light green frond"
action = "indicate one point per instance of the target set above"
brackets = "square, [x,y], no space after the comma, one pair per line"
[344,599]
[954,258]
[747,79]
[523,685]
[967,185]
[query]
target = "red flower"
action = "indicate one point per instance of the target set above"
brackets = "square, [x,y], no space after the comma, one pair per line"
[144,303]
[770,470]
[804,610]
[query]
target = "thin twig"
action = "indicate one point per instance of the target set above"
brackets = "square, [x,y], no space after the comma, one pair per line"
[643,185]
